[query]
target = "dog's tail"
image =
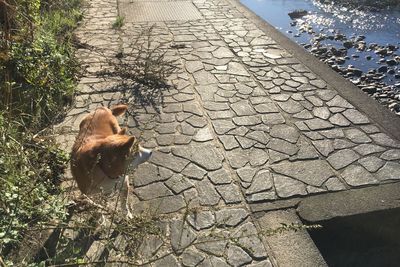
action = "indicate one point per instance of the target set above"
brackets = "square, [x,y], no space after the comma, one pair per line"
[119,110]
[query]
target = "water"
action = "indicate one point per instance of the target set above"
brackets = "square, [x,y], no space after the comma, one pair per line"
[381,27]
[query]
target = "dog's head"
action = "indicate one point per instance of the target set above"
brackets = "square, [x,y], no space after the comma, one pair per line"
[118,152]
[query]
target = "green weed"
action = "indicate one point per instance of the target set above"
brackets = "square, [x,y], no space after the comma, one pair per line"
[119,22]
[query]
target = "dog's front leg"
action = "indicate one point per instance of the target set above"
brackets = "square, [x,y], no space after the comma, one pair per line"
[125,198]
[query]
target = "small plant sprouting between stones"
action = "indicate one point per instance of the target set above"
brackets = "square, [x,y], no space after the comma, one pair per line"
[119,22]
[143,69]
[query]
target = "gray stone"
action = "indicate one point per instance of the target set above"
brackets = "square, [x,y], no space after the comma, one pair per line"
[169,161]
[332,133]
[340,102]
[237,256]
[261,182]
[196,121]
[242,108]
[169,261]
[220,262]
[318,124]
[339,120]
[315,101]
[213,106]
[181,236]
[248,239]
[247,120]
[283,146]
[229,142]
[178,183]
[222,52]
[192,108]
[258,136]
[275,156]
[223,126]
[205,155]
[149,247]
[237,158]
[194,172]
[151,191]
[257,157]
[291,106]
[342,158]
[265,263]
[231,217]
[304,114]
[272,118]
[384,140]
[367,149]
[203,135]
[148,174]
[203,77]
[207,194]
[230,193]
[262,196]
[342,143]
[313,172]
[355,175]
[334,184]
[357,136]
[266,108]
[235,68]
[193,66]
[244,89]
[212,244]
[246,174]
[166,204]
[220,176]
[390,171]
[324,147]
[371,163]
[245,142]
[355,116]
[392,154]
[287,187]
[285,132]
[321,112]
[191,258]
[200,220]
[239,131]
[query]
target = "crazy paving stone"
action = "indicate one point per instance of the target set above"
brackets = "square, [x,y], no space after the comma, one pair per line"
[342,158]
[313,172]
[206,155]
[355,175]
[287,187]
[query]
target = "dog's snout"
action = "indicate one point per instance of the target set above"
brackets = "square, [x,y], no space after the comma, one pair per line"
[145,152]
[143,155]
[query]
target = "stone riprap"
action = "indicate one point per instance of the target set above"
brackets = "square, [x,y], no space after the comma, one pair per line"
[243,122]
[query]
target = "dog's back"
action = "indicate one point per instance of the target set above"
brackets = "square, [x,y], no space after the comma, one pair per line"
[94,131]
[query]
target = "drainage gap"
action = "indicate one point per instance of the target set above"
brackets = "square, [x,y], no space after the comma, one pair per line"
[370,239]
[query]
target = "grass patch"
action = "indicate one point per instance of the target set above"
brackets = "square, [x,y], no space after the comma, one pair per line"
[37,80]
[119,22]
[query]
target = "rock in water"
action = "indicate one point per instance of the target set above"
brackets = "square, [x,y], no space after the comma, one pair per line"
[298,13]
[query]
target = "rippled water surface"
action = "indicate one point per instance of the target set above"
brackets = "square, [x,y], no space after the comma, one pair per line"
[381,27]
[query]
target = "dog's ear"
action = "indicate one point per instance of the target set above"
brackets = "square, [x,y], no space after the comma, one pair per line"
[119,110]
[122,131]
[129,142]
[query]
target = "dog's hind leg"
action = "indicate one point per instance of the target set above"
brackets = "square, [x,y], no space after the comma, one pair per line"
[125,198]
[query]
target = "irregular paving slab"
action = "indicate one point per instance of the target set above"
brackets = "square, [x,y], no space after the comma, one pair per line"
[314,172]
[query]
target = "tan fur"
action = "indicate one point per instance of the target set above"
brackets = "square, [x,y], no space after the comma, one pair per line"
[101,149]
[102,152]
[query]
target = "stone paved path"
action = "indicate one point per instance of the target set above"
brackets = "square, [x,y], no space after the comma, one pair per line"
[245,123]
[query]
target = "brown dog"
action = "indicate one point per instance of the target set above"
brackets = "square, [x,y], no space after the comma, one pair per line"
[102,153]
